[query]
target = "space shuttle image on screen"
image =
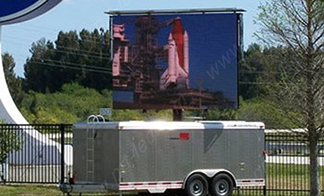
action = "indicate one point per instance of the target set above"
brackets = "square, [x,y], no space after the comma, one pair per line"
[155,73]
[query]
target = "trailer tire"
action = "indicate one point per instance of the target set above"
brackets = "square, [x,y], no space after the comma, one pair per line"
[222,185]
[197,185]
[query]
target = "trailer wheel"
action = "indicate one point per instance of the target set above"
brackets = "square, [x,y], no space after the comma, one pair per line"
[197,185]
[222,185]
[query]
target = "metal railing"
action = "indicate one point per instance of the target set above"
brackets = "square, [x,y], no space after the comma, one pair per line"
[33,153]
[287,165]
[36,154]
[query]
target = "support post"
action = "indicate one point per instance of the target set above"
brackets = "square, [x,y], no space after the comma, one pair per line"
[62,129]
[177,115]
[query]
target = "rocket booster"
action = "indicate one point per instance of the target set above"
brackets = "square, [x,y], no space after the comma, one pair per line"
[177,73]
[180,37]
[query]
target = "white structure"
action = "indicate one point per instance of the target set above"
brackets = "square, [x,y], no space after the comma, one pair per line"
[45,150]
[8,110]
[33,140]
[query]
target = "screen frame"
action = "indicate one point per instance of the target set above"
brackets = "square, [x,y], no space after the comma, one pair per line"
[239,45]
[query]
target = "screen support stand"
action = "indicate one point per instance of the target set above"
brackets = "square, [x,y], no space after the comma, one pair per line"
[177,115]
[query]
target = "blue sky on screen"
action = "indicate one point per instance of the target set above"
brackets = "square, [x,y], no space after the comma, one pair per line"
[89,14]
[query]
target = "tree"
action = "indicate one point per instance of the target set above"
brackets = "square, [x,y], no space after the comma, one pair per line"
[249,72]
[97,59]
[71,104]
[9,141]
[38,72]
[298,25]
[264,110]
[14,82]
[82,58]
[256,70]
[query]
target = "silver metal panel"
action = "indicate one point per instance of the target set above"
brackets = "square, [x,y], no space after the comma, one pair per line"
[168,155]
[204,125]
[163,149]
[98,125]
[216,149]
[239,151]
[242,158]
[198,158]
[137,156]
[106,156]
[79,156]
[155,155]
[174,156]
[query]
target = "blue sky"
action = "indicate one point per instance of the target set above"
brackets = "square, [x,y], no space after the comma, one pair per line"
[89,14]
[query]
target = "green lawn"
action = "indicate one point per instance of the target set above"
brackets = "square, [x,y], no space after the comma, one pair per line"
[283,177]
[290,177]
[29,190]
[36,190]
[51,190]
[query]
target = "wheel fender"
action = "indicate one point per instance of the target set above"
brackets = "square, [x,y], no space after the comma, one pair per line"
[210,173]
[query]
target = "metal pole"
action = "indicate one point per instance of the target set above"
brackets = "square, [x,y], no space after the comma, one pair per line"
[177,115]
[62,152]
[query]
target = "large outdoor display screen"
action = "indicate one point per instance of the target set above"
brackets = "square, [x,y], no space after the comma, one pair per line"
[175,61]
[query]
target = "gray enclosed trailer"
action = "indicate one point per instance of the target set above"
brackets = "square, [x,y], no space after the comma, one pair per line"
[199,157]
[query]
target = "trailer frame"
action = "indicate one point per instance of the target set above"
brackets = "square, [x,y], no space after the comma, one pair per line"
[194,149]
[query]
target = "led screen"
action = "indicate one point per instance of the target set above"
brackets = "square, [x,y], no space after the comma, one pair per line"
[175,61]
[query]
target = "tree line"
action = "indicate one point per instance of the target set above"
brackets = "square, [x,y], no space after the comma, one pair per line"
[69,79]
[82,58]
[280,80]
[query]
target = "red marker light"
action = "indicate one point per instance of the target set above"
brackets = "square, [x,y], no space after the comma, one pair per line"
[184,136]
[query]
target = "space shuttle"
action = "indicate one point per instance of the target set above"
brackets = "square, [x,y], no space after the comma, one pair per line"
[177,74]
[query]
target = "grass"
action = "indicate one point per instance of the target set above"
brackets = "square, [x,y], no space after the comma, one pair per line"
[29,190]
[283,177]
[290,177]
[36,190]
[269,193]
[52,190]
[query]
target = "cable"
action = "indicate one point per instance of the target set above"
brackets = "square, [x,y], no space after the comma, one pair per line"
[99,56]
[89,38]
[68,48]
[77,64]
[79,50]
[254,83]
[75,68]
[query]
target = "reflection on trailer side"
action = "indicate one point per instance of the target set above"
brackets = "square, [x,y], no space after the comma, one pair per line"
[158,156]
